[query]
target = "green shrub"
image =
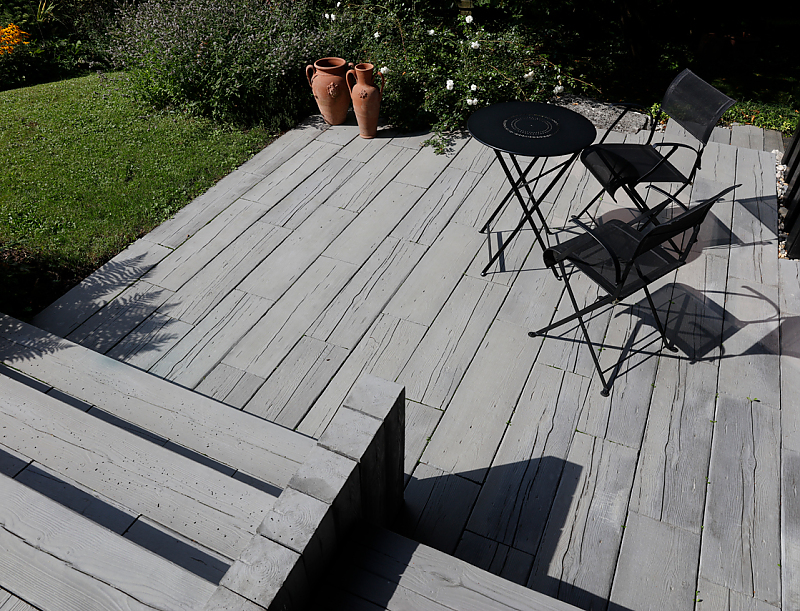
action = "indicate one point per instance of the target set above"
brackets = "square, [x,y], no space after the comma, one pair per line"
[239,61]
[441,66]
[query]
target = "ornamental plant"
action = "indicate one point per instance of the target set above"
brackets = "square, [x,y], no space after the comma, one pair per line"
[238,61]
[441,67]
[10,37]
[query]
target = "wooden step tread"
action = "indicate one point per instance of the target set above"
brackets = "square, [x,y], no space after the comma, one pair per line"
[383,570]
[262,449]
[189,498]
[57,560]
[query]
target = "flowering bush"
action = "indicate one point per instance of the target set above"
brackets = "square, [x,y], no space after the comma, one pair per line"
[10,37]
[441,67]
[240,61]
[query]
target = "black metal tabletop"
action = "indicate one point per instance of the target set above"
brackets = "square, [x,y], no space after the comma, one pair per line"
[531,129]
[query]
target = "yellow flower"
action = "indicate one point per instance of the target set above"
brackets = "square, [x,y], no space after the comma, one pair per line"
[10,37]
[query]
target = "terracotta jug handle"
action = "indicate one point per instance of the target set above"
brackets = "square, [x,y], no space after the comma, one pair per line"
[310,70]
[347,78]
[383,79]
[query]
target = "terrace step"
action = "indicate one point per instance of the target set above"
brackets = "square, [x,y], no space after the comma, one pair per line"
[56,559]
[245,443]
[125,481]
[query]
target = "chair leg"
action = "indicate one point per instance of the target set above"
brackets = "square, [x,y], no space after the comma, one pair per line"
[579,315]
[661,329]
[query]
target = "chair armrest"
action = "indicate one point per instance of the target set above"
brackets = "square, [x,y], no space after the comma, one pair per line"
[675,146]
[604,245]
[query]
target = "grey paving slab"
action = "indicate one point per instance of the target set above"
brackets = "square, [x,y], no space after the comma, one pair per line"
[365,257]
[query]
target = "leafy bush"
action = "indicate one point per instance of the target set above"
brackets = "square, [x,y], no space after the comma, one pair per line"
[440,67]
[240,61]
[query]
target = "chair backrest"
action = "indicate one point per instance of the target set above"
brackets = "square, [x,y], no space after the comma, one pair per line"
[695,105]
[691,219]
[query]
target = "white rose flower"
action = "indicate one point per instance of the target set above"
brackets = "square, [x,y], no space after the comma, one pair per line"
[377,35]
[475,45]
[469,102]
[327,16]
[338,4]
[473,87]
[468,19]
[529,76]
[450,85]
[384,70]
[333,17]
[558,89]
[431,32]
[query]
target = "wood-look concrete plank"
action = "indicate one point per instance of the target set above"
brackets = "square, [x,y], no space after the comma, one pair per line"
[353,311]
[286,263]
[657,567]
[121,316]
[291,390]
[484,198]
[286,177]
[221,275]
[148,342]
[199,351]
[52,584]
[790,528]
[437,506]
[198,502]
[514,504]
[577,559]
[479,411]
[437,366]
[473,157]
[362,149]
[96,552]
[194,254]
[721,135]
[621,417]
[383,351]
[443,578]
[298,205]
[203,209]
[257,447]
[362,188]
[790,355]
[359,240]
[426,166]
[717,172]
[9,602]
[431,214]
[741,536]
[773,141]
[755,216]
[220,381]
[671,478]
[421,420]
[751,365]
[714,597]
[521,255]
[284,148]
[341,134]
[68,312]
[273,336]
[747,137]
[428,287]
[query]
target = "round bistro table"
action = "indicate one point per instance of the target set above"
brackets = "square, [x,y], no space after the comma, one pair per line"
[529,129]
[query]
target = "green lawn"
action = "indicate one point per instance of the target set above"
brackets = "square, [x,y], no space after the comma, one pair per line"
[85,170]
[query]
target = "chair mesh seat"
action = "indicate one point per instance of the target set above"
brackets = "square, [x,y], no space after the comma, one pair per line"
[592,259]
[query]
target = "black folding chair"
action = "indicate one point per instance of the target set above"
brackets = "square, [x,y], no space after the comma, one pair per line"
[690,102]
[623,258]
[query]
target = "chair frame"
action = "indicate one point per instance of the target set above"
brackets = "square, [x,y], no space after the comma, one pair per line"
[654,118]
[653,237]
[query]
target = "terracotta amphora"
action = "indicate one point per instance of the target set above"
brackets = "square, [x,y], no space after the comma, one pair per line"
[328,83]
[366,98]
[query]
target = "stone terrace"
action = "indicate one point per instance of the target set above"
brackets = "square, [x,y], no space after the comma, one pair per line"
[327,256]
